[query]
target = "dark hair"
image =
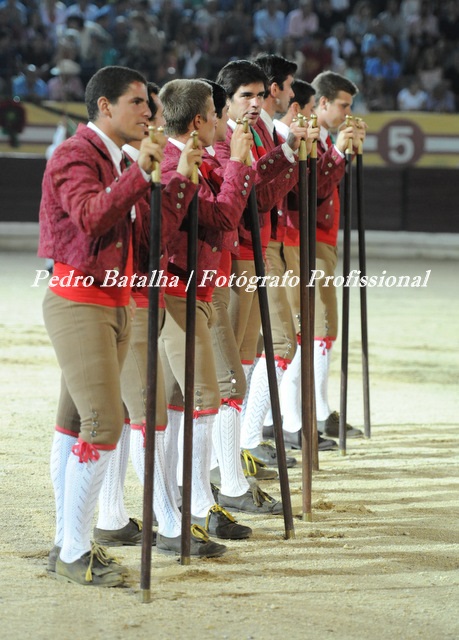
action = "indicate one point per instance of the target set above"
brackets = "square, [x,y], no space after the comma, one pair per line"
[111,83]
[238,73]
[303,92]
[152,88]
[329,84]
[218,94]
[276,67]
[183,100]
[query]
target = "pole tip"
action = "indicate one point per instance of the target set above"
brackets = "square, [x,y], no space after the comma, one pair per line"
[145,596]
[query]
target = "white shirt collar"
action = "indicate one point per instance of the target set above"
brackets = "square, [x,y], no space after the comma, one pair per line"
[264,115]
[112,148]
[323,136]
[282,128]
[177,143]
[132,152]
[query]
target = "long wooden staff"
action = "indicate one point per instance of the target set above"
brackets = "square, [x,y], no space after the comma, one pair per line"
[307,374]
[363,290]
[152,377]
[270,362]
[312,292]
[189,367]
[345,311]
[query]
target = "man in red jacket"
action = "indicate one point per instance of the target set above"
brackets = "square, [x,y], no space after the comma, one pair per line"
[334,95]
[93,220]
[188,107]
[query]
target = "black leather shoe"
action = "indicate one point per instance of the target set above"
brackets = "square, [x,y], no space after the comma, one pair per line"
[330,427]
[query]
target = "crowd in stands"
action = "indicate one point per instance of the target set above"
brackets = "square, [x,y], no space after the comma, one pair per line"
[403,54]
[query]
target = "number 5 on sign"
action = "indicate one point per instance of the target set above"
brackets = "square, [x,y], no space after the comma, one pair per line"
[401,142]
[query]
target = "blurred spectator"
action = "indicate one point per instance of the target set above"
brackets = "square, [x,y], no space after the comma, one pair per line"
[441,99]
[9,60]
[14,14]
[317,57]
[423,27]
[53,13]
[354,71]
[83,8]
[383,66]
[145,44]
[392,22]
[302,22]
[430,69]
[193,62]
[269,26]
[341,46]
[66,84]
[452,75]
[96,45]
[412,97]
[29,86]
[327,15]
[38,50]
[358,23]
[448,22]
[378,98]
[375,37]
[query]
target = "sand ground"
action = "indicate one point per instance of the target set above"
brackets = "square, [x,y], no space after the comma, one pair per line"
[380,559]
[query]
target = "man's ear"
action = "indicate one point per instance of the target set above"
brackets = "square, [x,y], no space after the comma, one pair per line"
[323,102]
[295,108]
[197,122]
[104,106]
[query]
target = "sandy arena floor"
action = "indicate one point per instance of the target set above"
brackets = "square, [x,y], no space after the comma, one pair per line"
[380,559]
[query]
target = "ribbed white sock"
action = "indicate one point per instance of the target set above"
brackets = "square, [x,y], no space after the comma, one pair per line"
[201,494]
[60,452]
[83,481]
[248,371]
[257,405]
[112,512]
[290,394]
[226,437]
[321,368]
[166,511]
[171,448]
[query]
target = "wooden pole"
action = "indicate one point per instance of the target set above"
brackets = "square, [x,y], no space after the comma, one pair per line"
[189,368]
[152,373]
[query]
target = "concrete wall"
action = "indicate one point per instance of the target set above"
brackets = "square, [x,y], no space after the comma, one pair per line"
[395,199]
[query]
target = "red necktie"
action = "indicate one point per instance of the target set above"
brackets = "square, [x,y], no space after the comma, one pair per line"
[205,170]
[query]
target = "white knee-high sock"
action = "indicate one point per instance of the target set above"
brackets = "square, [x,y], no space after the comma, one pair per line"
[248,371]
[226,438]
[171,448]
[257,405]
[290,394]
[166,511]
[202,498]
[60,452]
[83,481]
[112,512]
[321,369]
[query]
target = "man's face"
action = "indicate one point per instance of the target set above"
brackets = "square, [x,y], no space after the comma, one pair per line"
[128,118]
[284,95]
[246,102]
[332,114]
[208,125]
[308,108]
